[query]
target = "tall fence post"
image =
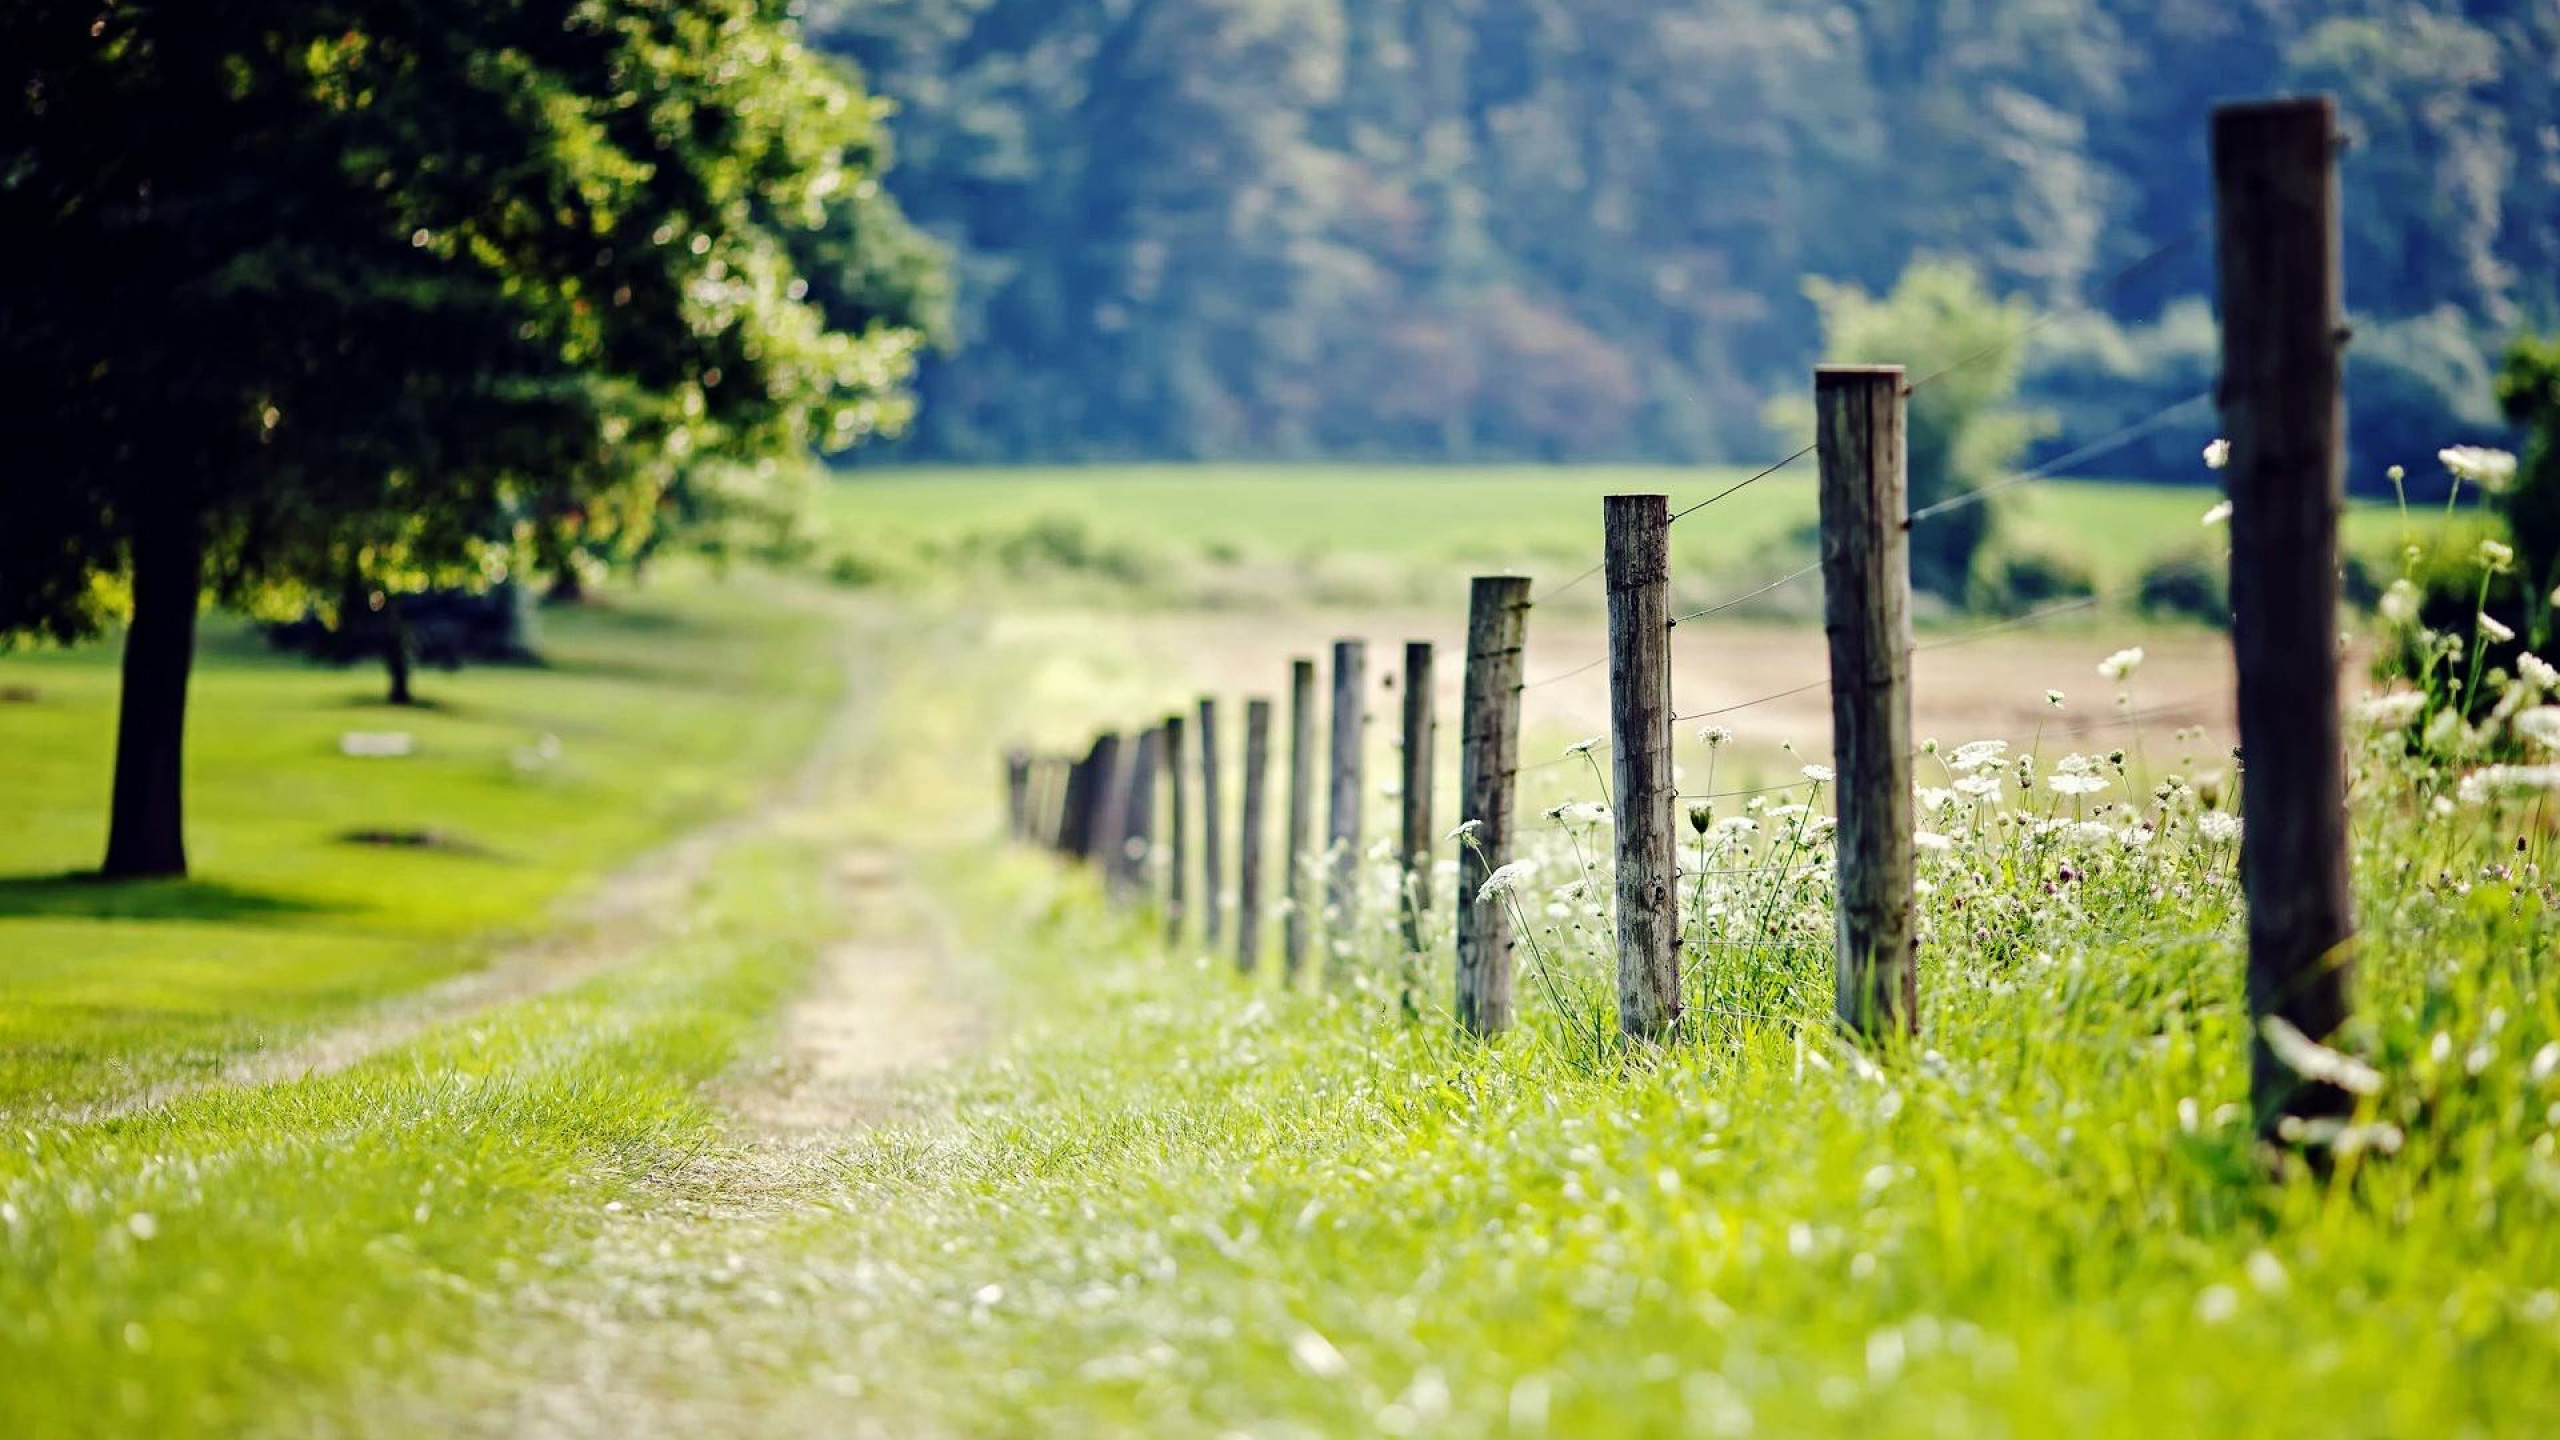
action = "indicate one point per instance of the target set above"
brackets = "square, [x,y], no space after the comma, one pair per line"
[1302,809]
[1213,872]
[1177,770]
[1421,732]
[1061,770]
[1859,440]
[1132,860]
[2283,347]
[1104,803]
[1488,762]
[1257,775]
[1342,810]
[1017,793]
[1637,564]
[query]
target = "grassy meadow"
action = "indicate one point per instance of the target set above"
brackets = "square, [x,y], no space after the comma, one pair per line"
[877,1126]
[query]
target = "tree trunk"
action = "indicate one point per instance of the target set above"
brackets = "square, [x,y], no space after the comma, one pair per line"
[395,651]
[567,587]
[146,834]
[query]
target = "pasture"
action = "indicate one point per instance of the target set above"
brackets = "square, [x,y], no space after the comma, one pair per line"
[853,1119]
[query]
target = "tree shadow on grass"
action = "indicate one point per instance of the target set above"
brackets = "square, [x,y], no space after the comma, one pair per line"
[82,895]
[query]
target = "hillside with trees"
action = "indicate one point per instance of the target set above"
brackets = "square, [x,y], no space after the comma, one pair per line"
[1585,229]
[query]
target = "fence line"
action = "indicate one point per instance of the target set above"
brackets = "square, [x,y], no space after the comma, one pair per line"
[2276,206]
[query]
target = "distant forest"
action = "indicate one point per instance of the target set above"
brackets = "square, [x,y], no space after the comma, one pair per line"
[1583,229]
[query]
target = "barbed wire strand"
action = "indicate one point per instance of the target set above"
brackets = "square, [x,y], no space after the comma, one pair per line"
[2083,301]
[2103,444]
[1567,674]
[1742,484]
[1718,609]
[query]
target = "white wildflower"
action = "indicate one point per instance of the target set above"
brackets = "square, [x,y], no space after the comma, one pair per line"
[2122,664]
[1984,786]
[2312,1060]
[2076,784]
[1934,798]
[2216,515]
[2495,555]
[2541,725]
[1505,880]
[2497,630]
[1819,774]
[1976,754]
[1714,735]
[2217,454]
[2394,710]
[1584,747]
[1932,841]
[2492,780]
[2537,672]
[2400,603]
[1736,825]
[2218,826]
[1585,814]
[2491,470]
[2053,698]
[2092,832]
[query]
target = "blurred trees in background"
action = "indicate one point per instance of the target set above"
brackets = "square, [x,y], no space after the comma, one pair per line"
[1564,229]
[326,303]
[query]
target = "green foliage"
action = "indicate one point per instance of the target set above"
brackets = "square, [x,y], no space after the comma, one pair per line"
[2013,578]
[1963,428]
[2529,388]
[1577,229]
[2192,585]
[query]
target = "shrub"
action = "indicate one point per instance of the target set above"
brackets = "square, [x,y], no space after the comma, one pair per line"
[2015,578]
[2189,585]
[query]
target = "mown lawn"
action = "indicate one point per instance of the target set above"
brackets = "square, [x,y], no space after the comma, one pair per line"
[657,708]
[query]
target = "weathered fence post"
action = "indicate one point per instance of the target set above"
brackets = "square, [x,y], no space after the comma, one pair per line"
[1131,861]
[1421,729]
[1104,803]
[1213,874]
[1177,860]
[1302,808]
[1342,811]
[1488,760]
[1637,565]
[1866,608]
[1257,774]
[1017,793]
[1053,814]
[2283,346]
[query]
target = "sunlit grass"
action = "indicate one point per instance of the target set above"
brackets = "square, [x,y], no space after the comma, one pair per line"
[664,706]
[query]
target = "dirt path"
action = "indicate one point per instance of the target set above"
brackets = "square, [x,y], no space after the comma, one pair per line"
[617,919]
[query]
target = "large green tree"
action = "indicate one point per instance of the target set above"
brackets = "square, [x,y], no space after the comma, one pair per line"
[364,290]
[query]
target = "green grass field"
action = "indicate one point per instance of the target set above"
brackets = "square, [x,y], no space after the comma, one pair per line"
[727,1183]
[1333,528]
[663,708]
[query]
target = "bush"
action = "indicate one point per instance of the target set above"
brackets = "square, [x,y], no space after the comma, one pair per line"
[2017,578]
[2189,585]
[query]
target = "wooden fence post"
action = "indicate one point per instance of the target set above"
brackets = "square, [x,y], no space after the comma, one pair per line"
[1637,563]
[1866,604]
[1257,768]
[1177,859]
[2283,347]
[1342,811]
[1488,762]
[1421,731]
[1103,804]
[1135,855]
[1053,814]
[1017,793]
[1213,875]
[1302,809]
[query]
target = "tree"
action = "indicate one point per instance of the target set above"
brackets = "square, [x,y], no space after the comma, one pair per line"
[366,291]
[1963,350]
[2529,388]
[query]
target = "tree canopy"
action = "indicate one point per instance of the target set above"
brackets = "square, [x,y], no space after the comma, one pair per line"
[369,289]
[1549,229]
